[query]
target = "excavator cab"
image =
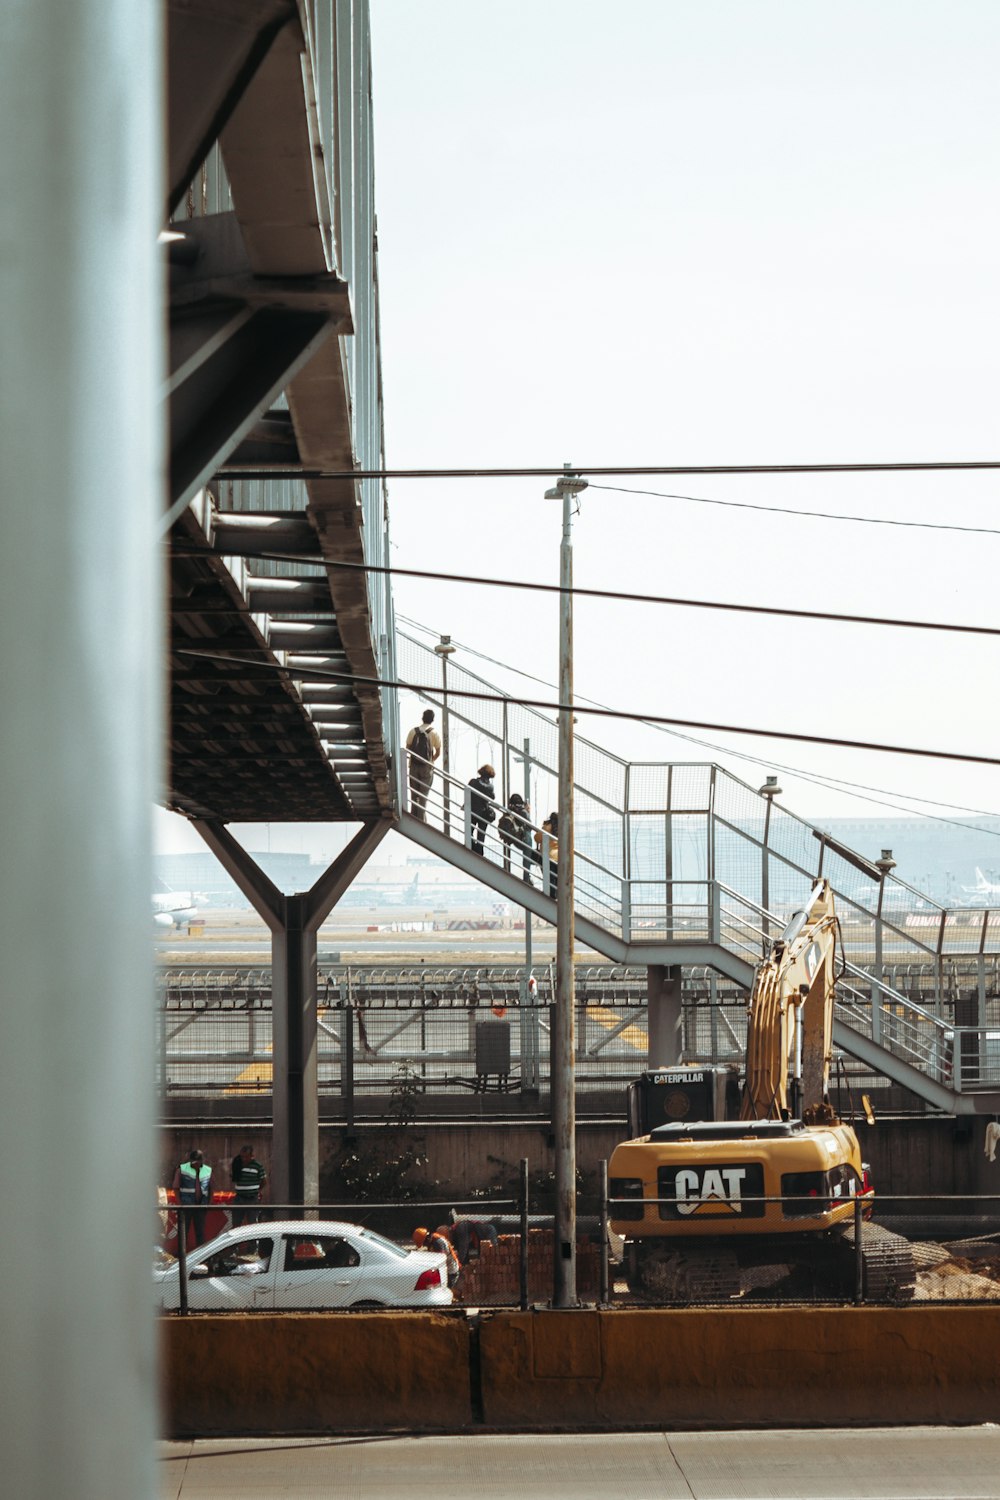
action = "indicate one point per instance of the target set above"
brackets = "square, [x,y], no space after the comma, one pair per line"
[682,1094]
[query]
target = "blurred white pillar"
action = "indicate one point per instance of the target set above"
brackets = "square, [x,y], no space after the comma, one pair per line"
[81,199]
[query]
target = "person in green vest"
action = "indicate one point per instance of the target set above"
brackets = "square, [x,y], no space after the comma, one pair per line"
[249,1178]
[193,1186]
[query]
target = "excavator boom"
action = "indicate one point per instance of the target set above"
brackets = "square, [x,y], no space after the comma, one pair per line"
[790,1023]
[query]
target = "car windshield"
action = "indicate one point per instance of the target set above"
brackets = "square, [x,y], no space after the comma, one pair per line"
[382,1242]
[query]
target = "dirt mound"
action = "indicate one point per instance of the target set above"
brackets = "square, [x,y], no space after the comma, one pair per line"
[960,1286]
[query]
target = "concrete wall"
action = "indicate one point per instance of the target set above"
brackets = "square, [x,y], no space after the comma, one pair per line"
[712,1368]
[304,1372]
[781,1367]
[922,1155]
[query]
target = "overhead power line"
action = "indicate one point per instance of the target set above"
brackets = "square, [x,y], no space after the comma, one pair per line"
[293,471]
[434,691]
[856,789]
[618,596]
[809,515]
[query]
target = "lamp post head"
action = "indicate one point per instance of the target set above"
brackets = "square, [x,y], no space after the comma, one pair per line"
[568,483]
[770,788]
[444,646]
[886,863]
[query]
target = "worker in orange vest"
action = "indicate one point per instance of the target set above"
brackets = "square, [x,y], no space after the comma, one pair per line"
[438,1241]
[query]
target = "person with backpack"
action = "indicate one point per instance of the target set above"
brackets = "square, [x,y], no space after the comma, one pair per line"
[513,831]
[424,746]
[551,827]
[483,796]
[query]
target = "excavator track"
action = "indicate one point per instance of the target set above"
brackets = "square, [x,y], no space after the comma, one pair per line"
[889,1270]
[694,1274]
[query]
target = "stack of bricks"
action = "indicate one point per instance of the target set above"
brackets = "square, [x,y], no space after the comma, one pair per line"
[495,1278]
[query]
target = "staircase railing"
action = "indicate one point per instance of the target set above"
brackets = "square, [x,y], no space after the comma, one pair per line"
[688,854]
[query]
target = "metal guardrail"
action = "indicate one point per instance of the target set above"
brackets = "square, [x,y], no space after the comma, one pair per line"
[707,909]
[649,836]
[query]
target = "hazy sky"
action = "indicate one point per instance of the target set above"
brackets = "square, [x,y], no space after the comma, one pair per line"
[710,232]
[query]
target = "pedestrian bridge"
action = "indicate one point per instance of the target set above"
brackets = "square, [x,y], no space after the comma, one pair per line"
[681,865]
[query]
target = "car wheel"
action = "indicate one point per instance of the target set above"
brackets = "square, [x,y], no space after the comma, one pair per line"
[365,1306]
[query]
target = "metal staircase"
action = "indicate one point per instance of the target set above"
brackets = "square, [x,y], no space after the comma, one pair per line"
[686,865]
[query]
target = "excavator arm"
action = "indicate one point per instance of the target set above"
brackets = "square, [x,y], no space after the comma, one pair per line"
[789,1029]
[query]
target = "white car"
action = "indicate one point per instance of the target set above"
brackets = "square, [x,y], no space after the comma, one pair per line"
[303,1264]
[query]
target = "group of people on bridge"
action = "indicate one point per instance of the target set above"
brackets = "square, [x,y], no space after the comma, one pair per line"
[423,745]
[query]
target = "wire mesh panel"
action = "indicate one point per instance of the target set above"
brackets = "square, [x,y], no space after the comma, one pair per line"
[690,788]
[739,862]
[647,847]
[962,932]
[739,805]
[648,788]
[689,845]
[797,859]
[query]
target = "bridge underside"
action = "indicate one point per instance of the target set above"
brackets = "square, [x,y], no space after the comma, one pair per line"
[259,367]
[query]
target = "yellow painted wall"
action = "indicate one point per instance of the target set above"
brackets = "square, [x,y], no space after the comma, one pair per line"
[766,1367]
[302,1372]
[748,1367]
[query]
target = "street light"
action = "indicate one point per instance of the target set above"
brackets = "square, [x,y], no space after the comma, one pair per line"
[444,649]
[768,791]
[566,489]
[885,866]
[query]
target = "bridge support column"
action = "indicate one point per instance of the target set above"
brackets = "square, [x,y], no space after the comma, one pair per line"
[665,1016]
[294,922]
[81,465]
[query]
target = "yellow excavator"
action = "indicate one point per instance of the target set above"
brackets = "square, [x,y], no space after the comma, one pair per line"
[718,1209]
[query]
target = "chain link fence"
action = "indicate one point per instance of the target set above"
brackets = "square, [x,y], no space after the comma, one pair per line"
[475,1029]
[433,1254]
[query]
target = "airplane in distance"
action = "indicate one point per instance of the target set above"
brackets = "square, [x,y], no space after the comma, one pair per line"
[176,908]
[983,893]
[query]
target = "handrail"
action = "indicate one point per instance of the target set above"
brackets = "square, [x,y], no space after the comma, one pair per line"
[659,897]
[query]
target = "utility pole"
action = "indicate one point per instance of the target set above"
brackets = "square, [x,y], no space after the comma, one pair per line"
[563,1054]
[444,649]
[528,1010]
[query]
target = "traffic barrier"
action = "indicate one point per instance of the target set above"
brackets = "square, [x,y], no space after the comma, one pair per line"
[753,1367]
[315,1372]
[584,1369]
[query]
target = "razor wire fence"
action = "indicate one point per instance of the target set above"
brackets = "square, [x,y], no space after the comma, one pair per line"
[464,1030]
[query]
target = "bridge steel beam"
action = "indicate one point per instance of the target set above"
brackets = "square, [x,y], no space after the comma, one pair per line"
[294,921]
[213,50]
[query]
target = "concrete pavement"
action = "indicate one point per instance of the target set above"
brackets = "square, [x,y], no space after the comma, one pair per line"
[919,1463]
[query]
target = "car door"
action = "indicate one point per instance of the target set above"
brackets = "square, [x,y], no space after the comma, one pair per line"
[237,1278]
[317,1270]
